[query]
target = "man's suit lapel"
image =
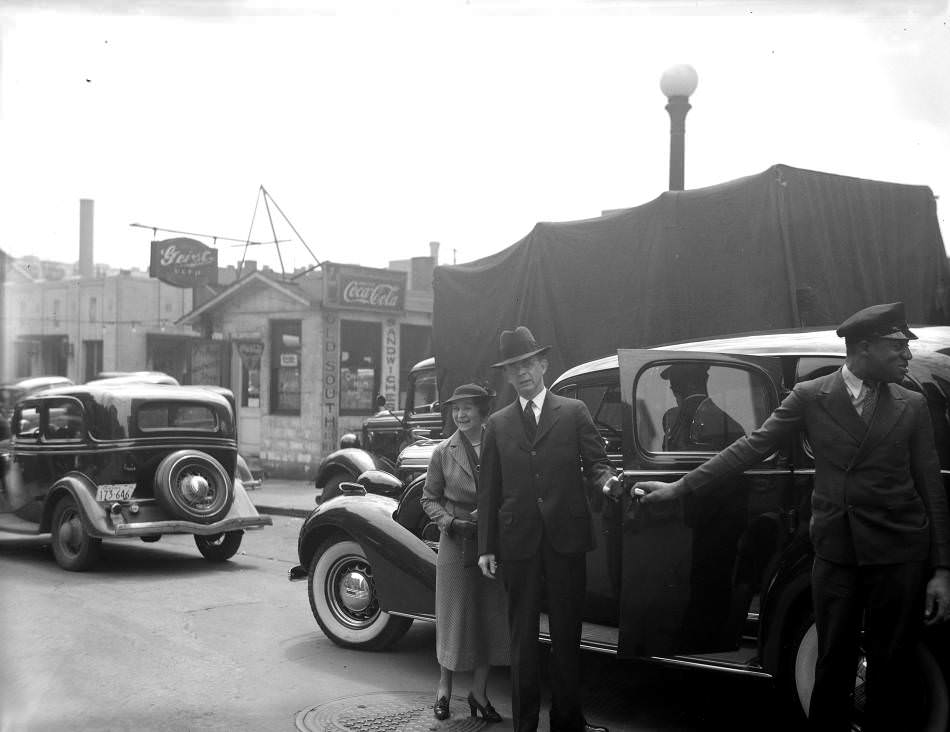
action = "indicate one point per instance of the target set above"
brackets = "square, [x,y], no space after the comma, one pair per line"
[549,416]
[514,426]
[457,452]
[837,403]
[890,406]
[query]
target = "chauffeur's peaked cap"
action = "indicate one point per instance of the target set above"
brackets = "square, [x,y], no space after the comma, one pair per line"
[878,321]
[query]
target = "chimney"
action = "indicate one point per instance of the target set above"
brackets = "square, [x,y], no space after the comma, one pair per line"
[434,252]
[86,268]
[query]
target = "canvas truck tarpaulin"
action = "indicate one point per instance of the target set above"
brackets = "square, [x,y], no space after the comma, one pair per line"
[784,248]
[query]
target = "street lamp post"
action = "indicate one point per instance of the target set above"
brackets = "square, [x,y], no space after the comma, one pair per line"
[677,83]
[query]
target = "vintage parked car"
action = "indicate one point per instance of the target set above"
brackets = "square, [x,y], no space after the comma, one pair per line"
[10,394]
[124,459]
[716,582]
[385,434]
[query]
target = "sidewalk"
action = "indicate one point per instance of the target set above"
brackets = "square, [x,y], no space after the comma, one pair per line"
[279,497]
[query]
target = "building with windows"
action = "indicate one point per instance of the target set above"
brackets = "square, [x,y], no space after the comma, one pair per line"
[309,354]
[305,354]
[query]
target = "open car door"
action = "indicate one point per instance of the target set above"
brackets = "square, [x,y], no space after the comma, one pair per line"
[692,569]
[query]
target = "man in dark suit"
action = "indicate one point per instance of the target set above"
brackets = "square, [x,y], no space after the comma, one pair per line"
[879,525]
[534,517]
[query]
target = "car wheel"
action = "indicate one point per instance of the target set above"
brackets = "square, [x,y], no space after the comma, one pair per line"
[929,710]
[331,488]
[194,486]
[219,547]
[343,598]
[73,548]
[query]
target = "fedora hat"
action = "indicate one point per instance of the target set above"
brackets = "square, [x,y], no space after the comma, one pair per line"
[470,391]
[517,345]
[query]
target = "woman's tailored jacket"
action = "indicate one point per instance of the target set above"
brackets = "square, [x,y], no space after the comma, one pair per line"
[878,496]
[449,491]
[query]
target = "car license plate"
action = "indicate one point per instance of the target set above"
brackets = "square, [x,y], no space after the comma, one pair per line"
[117,492]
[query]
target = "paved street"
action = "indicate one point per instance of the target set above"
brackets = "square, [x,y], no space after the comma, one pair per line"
[159,638]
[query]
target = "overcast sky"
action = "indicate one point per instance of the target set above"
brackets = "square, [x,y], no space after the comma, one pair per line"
[380,126]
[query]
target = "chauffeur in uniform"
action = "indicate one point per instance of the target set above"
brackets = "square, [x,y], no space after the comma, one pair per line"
[879,522]
[533,517]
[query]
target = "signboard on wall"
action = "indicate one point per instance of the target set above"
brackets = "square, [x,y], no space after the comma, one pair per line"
[364,288]
[184,262]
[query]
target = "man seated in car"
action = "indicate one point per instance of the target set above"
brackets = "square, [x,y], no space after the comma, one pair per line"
[696,422]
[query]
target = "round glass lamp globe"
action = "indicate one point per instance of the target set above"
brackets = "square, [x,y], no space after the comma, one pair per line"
[679,81]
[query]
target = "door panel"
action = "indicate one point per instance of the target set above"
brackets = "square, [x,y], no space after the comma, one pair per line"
[693,568]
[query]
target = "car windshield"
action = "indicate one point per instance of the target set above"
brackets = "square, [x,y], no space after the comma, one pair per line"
[424,392]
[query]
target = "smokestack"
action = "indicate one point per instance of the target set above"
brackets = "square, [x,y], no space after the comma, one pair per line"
[434,252]
[86,267]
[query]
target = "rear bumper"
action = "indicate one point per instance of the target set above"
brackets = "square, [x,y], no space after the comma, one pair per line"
[150,528]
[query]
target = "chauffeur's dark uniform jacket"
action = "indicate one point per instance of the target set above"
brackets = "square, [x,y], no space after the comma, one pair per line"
[878,496]
[526,486]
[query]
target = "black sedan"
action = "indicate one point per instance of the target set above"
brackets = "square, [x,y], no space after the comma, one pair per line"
[720,583]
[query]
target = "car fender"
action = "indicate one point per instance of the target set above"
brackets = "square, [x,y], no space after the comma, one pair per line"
[403,565]
[94,517]
[788,595]
[353,461]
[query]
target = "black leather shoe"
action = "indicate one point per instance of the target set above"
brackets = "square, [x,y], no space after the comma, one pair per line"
[488,711]
[594,728]
[441,708]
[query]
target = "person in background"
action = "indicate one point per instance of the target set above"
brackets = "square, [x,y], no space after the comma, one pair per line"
[879,526]
[471,631]
[534,518]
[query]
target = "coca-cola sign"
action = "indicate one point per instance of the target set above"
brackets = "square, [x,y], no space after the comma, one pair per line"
[184,262]
[364,287]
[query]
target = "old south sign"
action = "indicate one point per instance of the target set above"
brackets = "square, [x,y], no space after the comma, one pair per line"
[184,262]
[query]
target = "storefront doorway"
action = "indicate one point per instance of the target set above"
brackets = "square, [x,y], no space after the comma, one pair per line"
[247,376]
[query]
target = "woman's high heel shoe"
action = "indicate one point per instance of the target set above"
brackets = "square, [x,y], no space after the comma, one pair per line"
[441,708]
[488,711]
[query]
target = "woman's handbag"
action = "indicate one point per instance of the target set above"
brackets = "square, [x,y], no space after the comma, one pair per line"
[470,542]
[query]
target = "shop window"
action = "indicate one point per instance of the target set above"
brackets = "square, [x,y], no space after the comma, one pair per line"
[285,367]
[360,355]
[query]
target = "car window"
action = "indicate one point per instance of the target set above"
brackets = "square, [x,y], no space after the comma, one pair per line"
[28,423]
[698,406]
[424,392]
[171,415]
[811,367]
[603,402]
[64,421]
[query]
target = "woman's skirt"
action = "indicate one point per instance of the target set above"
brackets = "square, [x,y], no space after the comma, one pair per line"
[470,611]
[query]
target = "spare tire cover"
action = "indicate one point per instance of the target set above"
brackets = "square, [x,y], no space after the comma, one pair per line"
[194,486]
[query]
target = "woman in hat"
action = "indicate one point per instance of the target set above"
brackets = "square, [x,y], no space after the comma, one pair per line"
[470,609]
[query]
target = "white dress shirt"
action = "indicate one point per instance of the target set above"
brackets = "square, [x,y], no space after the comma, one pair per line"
[537,401]
[856,388]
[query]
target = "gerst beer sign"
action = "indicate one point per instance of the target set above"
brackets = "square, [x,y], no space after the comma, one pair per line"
[365,288]
[184,262]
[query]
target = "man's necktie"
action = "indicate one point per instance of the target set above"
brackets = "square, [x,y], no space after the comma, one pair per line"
[869,401]
[530,423]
